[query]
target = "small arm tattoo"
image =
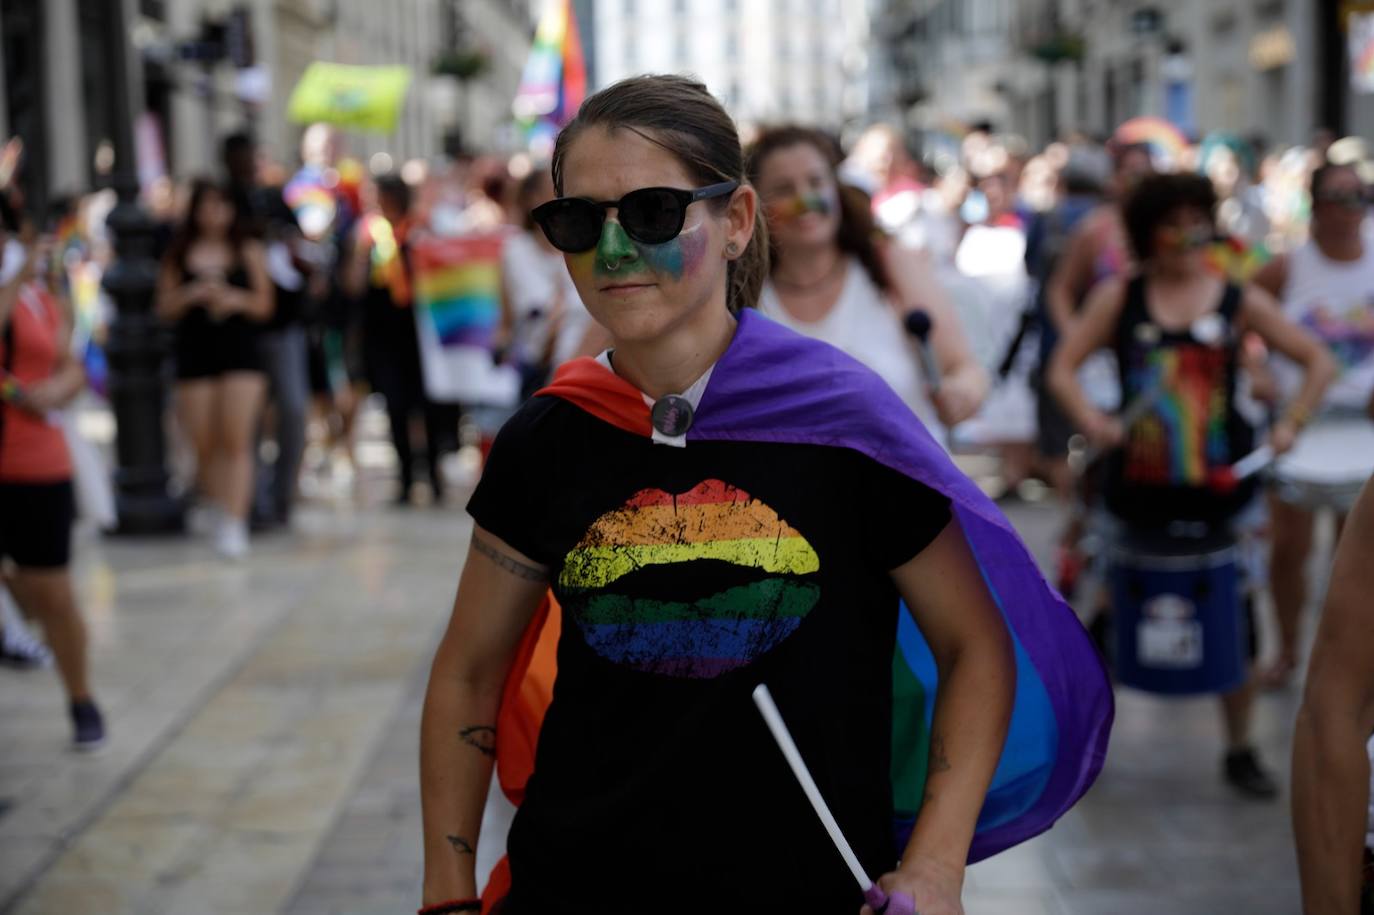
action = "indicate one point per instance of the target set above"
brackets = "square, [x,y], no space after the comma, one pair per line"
[481,737]
[513,566]
[939,762]
[460,845]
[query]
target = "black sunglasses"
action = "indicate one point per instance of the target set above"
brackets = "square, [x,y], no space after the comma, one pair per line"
[651,215]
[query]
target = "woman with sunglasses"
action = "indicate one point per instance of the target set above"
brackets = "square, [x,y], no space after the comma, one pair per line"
[1327,286]
[833,277]
[1175,328]
[731,504]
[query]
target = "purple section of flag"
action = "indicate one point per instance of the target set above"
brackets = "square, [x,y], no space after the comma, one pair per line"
[773,385]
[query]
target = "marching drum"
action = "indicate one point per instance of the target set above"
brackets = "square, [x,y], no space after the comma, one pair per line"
[1329,464]
[1180,623]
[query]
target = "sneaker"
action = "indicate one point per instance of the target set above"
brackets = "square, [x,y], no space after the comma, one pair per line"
[204,519]
[22,651]
[1243,772]
[88,727]
[231,539]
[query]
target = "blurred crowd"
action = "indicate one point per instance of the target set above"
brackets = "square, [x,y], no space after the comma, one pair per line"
[986,282]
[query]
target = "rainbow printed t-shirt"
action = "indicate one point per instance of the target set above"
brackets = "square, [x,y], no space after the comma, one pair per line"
[687,575]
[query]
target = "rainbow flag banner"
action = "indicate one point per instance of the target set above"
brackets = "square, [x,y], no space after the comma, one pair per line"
[457,283]
[554,81]
[1167,143]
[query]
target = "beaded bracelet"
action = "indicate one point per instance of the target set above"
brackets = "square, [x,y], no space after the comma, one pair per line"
[453,905]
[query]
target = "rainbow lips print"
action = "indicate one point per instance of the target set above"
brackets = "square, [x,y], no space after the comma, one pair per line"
[749,564]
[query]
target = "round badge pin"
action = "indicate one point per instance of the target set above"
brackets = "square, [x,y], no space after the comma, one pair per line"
[672,415]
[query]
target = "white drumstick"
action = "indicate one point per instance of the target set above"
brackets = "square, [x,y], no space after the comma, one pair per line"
[764,700]
[1253,462]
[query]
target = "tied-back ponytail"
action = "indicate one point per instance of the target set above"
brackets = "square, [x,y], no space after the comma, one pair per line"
[679,114]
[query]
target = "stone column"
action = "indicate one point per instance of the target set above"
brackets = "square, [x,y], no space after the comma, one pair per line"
[67,141]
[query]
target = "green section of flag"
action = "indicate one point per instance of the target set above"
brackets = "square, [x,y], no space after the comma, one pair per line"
[910,738]
[357,98]
[774,597]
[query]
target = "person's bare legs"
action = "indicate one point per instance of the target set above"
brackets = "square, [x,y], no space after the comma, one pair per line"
[1291,528]
[238,404]
[195,406]
[1235,710]
[46,595]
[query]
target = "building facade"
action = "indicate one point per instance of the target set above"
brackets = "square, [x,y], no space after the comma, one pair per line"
[198,69]
[767,60]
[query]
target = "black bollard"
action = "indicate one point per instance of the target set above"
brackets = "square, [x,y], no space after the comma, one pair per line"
[137,349]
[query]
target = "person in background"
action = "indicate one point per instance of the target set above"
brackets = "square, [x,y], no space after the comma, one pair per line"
[214,289]
[1081,185]
[1333,811]
[832,279]
[379,273]
[283,343]
[39,375]
[1175,325]
[1327,286]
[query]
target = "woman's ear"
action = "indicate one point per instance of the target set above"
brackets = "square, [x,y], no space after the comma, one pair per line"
[740,216]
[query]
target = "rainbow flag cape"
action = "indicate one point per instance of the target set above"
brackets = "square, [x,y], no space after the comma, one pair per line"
[554,81]
[773,385]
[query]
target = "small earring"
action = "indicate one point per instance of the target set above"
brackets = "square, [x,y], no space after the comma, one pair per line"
[731,249]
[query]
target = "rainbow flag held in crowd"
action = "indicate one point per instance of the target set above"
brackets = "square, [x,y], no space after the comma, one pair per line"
[554,81]
[457,294]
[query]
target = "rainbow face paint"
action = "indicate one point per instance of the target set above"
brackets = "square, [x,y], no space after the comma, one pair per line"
[798,205]
[618,256]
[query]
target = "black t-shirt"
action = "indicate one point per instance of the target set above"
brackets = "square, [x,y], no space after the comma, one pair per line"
[687,576]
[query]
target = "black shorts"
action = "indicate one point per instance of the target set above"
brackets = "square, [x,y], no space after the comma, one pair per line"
[36,524]
[208,349]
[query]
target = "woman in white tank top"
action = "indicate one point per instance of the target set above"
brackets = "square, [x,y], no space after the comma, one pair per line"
[1327,286]
[832,279]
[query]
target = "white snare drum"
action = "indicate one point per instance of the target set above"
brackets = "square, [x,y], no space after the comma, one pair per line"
[1329,464]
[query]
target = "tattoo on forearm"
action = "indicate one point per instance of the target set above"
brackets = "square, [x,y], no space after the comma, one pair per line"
[460,845]
[939,762]
[480,737]
[513,566]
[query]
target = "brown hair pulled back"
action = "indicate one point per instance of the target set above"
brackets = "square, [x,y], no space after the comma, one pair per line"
[680,115]
[857,228]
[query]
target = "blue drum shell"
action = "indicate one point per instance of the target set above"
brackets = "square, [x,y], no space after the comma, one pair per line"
[1180,623]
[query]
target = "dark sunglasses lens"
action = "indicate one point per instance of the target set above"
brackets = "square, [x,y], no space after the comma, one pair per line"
[571,225]
[651,215]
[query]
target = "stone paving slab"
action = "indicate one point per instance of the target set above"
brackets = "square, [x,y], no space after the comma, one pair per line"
[237,733]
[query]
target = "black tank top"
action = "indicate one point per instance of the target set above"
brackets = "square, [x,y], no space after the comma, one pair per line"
[1170,466]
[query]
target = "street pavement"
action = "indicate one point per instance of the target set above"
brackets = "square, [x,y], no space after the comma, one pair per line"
[263,754]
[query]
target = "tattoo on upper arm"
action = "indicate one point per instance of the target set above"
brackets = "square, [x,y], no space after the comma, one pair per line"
[939,762]
[460,845]
[481,737]
[513,566]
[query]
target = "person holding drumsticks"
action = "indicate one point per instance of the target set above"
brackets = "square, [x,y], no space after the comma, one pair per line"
[694,562]
[1327,286]
[1176,328]
[1332,814]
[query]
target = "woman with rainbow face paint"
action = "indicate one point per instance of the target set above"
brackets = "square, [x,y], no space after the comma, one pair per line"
[835,278]
[1175,327]
[712,504]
